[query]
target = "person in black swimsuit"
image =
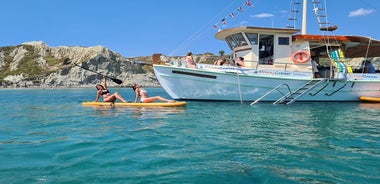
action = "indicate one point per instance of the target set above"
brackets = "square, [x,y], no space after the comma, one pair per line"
[107,96]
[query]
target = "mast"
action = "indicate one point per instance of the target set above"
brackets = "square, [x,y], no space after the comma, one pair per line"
[304,14]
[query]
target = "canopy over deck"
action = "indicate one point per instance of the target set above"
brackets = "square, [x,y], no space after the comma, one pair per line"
[354,46]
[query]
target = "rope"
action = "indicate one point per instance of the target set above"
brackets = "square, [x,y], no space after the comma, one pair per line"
[238,80]
[204,29]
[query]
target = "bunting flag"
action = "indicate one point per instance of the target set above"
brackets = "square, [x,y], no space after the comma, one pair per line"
[247,3]
[224,21]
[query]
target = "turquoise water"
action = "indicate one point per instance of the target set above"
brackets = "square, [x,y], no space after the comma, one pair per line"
[47,136]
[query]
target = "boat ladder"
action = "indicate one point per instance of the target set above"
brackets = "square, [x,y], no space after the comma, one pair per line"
[271,91]
[291,97]
[320,13]
[294,12]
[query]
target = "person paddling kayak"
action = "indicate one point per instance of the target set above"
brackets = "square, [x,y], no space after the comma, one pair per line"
[105,93]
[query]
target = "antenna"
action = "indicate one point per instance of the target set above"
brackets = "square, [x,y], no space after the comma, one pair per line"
[304,17]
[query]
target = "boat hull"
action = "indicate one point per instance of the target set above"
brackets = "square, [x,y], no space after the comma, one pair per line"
[249,85]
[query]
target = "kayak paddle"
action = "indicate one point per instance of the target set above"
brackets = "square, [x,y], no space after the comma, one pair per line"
[117,81]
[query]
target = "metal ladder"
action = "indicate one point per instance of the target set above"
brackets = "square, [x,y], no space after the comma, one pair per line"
[292,19]
[291,97]
[271,91]
[320,13]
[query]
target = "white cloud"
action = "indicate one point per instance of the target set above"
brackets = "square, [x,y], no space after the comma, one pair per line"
[262,15]
[243,22]
[360,12]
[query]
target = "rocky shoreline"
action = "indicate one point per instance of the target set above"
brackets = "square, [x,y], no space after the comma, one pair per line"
[36,65]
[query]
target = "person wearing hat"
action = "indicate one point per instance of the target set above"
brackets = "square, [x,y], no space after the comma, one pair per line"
[190,61]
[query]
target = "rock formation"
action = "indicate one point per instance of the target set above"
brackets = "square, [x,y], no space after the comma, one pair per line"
[34,64]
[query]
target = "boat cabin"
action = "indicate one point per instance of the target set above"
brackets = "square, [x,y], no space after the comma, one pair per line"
[259,46]
[282,48]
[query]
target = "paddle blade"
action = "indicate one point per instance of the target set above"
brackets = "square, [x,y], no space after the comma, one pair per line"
[66,61]
[117,81]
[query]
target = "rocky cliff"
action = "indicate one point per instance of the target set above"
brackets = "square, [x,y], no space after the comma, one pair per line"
[35,64]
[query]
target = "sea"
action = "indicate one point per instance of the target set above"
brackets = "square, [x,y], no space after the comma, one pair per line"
[47,136]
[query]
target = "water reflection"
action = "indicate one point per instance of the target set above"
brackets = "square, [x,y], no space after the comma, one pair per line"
[369,106]
[138,112]
[155,112]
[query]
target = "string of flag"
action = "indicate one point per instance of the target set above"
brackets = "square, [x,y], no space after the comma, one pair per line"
[196,36]
[235,13]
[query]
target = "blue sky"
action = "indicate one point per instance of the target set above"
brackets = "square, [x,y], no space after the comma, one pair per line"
[171,27]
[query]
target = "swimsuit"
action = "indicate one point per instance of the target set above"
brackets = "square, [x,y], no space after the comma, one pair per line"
[141,92]
[105,92]
[143,99]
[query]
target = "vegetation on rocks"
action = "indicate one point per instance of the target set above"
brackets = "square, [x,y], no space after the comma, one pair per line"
[34,64]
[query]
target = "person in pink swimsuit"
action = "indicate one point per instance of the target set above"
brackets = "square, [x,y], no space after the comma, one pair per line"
[190,63]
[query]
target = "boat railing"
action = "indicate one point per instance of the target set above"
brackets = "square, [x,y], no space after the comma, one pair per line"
[359,68]
[341,70]
[325,73]
[177,63]
[234,69]
[277,65]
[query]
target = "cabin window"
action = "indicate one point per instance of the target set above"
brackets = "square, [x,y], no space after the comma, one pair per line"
[252,38]
[283,40]
[239,39]
[231,42]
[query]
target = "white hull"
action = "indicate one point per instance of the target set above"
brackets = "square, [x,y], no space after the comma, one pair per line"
[236,84]
[278,65]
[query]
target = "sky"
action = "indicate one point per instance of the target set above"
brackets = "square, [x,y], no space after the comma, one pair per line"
[171,27]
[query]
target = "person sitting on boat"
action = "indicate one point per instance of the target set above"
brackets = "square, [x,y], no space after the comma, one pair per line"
[190,63]
[220,62]
[143,94]
[240,62]
[368,67]
[107,96]
[232,62]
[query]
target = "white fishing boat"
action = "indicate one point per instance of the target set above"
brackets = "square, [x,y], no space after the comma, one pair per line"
[278,67]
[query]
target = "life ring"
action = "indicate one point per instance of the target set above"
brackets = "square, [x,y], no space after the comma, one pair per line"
[300,57]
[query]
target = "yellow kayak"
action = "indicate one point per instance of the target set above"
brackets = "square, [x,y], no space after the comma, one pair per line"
[132,104]
[370,99]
